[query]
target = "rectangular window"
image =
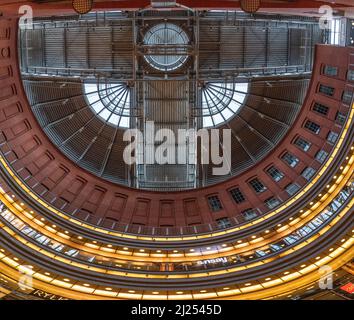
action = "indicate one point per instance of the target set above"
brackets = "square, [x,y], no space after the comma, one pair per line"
[249,214]
[312,126]
[302,144]
[341,118]
[347,97]
[223,223]
[237,195]
[257,186]
[291,160]
[327,90]
[272,203]
[308,173]
[320,108]
[214,203]
[321,156]
[350,75]
[330,71]
[332,137]
[292,188]
[275,173]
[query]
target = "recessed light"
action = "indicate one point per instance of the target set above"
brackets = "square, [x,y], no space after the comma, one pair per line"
[158,251]
[303,266]
[142,250]
[254,237]
[131,291]
[248,284]
[86,285]
[203,291]
[267,279]
[175,251]
[191,250]
[125,248]
[239,241]
[109,289]
[155,292]
[66,280]
[179,292]
[227,288]
[286,272]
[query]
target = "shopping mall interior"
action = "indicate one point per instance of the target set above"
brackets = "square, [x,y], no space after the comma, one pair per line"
[79,222]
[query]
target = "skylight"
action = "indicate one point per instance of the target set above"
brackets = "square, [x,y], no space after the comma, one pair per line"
[170,39]
[221,101]
[110,102]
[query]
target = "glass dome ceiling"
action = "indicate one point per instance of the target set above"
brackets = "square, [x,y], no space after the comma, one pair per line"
[110,102]
[172,38]
[221,101]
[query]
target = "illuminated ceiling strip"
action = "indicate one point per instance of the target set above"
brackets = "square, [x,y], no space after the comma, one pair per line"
[229,270]
[291,227]
[335,259]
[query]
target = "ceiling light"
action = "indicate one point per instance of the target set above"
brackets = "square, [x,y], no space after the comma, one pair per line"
[82,6]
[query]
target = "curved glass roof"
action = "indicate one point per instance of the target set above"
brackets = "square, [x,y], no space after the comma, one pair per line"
[221,101]
[167,35]
[110,102]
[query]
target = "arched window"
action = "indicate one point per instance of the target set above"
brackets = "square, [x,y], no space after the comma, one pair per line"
[110,102]
[221,101]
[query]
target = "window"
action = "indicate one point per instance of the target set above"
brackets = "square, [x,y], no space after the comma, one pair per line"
[350,75]
[167,34]
[275,173]
[214,203]
[321,156]
[330,71]
[221,101]
[308,173]
[312,126]
[347,97]
[223,223]
[320,108]
[302,144]
[257,185]
[249,214]
[237,195]
[272,203]
[291,160]
[328,91]
[332,137]
[292,188]
[110,101]
[341,118]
